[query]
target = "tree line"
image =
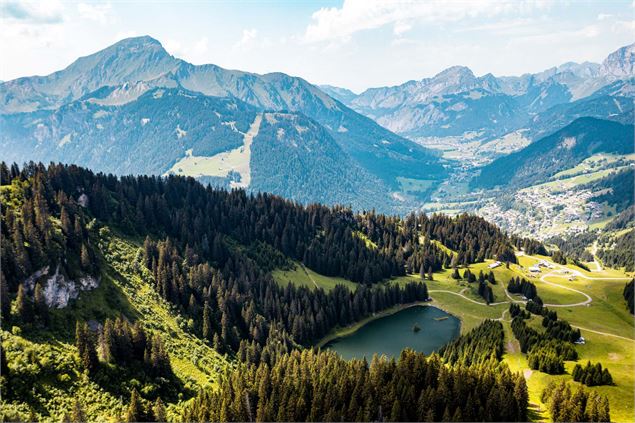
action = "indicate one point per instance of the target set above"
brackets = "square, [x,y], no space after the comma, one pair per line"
[628,294]
[592,374]
[477,346]
[320,386]
[581,405]
[544,352]
[241,302]
[522,286]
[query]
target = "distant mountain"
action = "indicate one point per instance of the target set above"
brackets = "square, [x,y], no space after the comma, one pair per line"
[177,131]
[343,94]
[130,60]
[455,102]
[38,112]
[620,63]
[559,151]
[613,102]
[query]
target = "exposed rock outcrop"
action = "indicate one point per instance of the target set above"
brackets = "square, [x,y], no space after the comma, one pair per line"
[58,291]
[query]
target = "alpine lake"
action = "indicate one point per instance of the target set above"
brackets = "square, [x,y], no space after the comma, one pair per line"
[421,328]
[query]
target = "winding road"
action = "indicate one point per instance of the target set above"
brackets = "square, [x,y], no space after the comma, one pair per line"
[543,279]
[588,297]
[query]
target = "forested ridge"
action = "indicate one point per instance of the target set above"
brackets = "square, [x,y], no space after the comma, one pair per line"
[466,383]
[200,217]
[619,252]
[209,253]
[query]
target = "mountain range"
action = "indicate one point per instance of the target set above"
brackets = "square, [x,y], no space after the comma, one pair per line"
[142,110]
[557,152]
[455,102]
[133,108]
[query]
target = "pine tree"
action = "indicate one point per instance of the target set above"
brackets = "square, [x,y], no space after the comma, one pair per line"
[67,226]
[86,347]
[78,415]
[86,262]
[207,323]
[5,300]
[521,394]
[455,274]
[135,410]
[40,304]
[395,413]
[158,410]
[23,306]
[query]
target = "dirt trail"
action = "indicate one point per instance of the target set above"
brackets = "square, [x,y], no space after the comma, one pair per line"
[309,275]
[604,333]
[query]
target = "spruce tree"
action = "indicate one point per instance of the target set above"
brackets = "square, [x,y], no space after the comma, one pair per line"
[78,415]
[23,306]
[41,308]
[158,410]
[86,261]
[455,274]
[135,408]
[207,323]
[5,299]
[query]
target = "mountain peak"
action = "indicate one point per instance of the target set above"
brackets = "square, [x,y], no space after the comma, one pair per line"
[140,42]
[620,63]
[129,60]
[455,71]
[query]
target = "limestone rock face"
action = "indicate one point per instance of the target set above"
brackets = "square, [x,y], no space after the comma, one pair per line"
[58,291]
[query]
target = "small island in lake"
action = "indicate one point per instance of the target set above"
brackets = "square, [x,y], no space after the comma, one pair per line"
[416,328]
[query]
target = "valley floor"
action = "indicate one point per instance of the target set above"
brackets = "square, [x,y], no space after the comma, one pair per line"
[591,301]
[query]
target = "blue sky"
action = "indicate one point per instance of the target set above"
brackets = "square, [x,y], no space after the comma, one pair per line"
[354,44]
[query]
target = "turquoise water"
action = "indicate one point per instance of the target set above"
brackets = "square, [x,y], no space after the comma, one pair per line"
[391,334]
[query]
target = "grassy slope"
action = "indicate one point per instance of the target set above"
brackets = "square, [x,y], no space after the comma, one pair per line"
[606,313]
[192,360]
[303,276]
[125,288]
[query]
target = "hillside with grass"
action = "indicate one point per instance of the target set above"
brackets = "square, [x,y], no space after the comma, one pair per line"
[559,151]
[140,298]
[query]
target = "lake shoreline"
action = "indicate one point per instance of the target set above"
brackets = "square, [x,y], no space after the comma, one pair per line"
[354,327]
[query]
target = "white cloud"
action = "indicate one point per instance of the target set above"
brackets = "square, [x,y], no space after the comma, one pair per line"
[42,12]
[193,52]
[359,15]
[200,46]
[101,13]
[173,47]
[249,35]
[401,28]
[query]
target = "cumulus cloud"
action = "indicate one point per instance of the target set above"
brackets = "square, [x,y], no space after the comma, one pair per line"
[44,12]
[333,23]
[249,35]
[194,52]
[401,28]
[101,13]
